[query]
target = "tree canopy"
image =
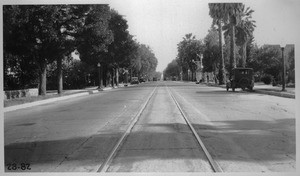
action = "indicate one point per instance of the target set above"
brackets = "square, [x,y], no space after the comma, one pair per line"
[238,49]
[172,70]
[36,36]
[188,52]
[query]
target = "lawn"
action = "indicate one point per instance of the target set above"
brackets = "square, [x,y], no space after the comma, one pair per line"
[22,100]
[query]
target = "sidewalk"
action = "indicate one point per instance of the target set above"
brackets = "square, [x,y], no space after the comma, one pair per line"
[67,94]
[274,90]
[268,89]
[91,90]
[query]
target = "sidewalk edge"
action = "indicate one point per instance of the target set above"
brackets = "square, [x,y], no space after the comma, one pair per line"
[279,94]
[41,102]
[50,100]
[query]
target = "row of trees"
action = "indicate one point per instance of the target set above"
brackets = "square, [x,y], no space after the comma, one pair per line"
[266,62]
[40,39]
[188,51]
[234,21]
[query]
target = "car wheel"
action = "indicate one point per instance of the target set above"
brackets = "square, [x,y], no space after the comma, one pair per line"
[243,83]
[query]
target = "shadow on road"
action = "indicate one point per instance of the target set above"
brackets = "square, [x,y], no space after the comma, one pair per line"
[275,142]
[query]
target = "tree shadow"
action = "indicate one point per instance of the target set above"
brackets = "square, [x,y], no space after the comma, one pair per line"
[255,139]
[222,92]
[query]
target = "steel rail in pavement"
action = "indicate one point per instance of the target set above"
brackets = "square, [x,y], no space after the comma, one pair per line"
[215,166]
[105,165]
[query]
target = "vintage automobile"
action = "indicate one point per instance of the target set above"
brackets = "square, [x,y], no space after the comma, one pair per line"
[134,80]
[241,78]
[142,80]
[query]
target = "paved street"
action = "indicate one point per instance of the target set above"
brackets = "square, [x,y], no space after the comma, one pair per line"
[242,131]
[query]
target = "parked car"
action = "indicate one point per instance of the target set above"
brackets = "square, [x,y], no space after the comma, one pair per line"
[134,80]
[241,78]
[142,80]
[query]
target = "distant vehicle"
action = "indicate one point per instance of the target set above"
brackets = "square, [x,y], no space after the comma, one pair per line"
[134,80]
[142,80]
[241,78]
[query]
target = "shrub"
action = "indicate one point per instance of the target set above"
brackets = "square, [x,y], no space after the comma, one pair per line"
[267,79]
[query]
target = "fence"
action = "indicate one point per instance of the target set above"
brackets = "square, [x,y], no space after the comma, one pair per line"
[12,94]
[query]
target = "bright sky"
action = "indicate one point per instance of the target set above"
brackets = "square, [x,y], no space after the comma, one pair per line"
[162,24]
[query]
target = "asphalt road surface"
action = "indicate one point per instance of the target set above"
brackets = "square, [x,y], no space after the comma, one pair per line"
[242,131]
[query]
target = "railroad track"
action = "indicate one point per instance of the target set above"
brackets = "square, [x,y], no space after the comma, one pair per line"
[214,165]
[106,164]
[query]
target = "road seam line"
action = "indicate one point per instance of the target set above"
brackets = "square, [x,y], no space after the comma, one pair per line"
[213,163]
[105,165]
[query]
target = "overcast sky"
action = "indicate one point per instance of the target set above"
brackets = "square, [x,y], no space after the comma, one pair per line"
[162,24]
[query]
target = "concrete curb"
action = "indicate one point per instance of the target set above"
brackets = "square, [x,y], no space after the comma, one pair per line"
[50,100]
[279,94]
[93,91]
[106,88]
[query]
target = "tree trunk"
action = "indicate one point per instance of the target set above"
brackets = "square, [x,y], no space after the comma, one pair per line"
[101,76]
[59,76]
[244,55]
[232,50]
[112,77]
[215,73]
[130,74]
[104,73]
[186,75]
[222,76]
[104,77]
[117,76]
[126,77]
[42,79]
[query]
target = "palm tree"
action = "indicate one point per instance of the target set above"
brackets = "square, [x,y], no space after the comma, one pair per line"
[234,15]
[217,13]
[245,32]
[230,15]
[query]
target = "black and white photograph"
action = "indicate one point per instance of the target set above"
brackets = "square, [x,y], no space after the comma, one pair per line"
[156,87]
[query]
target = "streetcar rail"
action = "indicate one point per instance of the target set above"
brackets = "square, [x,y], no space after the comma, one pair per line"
[214,165]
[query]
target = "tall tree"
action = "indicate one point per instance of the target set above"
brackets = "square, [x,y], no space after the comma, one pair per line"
[172,70]
[66,22]
[231,13]
[234,12]
[135,61]
[94,36]
[188,51]
[148,61]
[30,36]
[211,52]
[244,32]
[123,44]
[216,11]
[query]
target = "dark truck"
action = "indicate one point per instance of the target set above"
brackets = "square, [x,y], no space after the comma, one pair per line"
[241,78]
[134,80]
